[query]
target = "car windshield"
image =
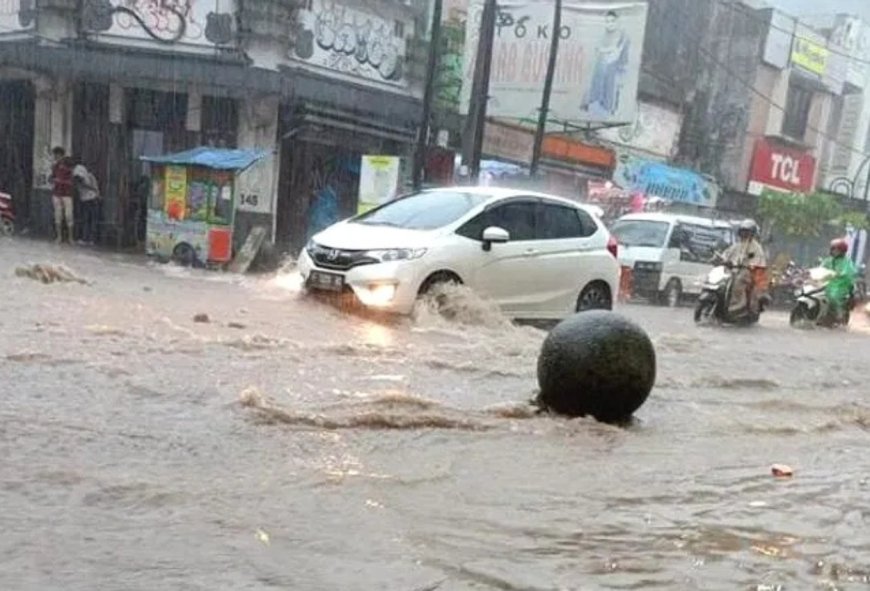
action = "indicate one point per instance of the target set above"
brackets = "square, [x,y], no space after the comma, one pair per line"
[640,233]
[428,210]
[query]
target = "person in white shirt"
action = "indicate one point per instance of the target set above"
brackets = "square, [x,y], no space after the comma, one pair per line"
[89,196]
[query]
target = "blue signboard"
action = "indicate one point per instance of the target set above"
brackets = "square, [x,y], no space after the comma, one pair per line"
[658,179]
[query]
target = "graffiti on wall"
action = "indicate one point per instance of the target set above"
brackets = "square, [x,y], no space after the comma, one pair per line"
[17,16]
[168,22]
[333,183]
[352,42]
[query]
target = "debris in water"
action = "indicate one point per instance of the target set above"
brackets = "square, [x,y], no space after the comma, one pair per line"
[49,273]
[238,325]
[781,471]
[263,536]
[202,318]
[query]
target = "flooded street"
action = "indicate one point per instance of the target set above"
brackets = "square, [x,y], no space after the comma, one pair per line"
[286,445]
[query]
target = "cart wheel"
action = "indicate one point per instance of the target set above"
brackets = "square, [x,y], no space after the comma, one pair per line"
[184,255]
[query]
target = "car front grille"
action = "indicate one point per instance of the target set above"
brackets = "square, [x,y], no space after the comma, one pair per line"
[338,259]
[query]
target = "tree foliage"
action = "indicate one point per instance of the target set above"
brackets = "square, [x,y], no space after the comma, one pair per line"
[806,216]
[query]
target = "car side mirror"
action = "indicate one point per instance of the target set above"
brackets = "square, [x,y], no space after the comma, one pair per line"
[494,235]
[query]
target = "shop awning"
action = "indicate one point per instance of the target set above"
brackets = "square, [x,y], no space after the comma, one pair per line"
[215,158]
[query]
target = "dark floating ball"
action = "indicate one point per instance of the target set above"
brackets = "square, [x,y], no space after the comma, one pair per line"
[598,364]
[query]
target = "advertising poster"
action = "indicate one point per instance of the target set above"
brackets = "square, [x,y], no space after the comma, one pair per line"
[378,181]
[176,192]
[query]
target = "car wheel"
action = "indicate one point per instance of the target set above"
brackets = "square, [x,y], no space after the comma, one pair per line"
[595,296]
[184,255]
[673,294]
[430,289]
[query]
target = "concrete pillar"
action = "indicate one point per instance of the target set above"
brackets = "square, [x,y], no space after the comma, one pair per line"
[257,188]
[52,127]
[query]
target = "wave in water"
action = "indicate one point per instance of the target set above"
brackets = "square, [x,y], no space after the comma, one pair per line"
[387,411]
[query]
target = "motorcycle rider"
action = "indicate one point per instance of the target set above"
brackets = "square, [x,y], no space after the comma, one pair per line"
[839,288]
[747,256]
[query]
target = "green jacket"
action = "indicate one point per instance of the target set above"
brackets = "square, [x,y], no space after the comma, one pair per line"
[840,286]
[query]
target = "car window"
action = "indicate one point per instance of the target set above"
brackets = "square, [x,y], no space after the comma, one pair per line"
[517,217]
[641,232]
[700,244]
[587,224]
[558,221]
[428,210]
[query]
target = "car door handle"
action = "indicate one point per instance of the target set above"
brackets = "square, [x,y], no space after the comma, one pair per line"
[530,252]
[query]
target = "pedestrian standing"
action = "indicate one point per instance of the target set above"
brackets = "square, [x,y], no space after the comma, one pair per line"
[62,193]
[89,196]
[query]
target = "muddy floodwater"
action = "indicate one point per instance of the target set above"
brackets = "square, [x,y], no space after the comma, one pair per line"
[287,445]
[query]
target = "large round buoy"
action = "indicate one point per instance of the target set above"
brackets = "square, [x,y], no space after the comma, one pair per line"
[598,364]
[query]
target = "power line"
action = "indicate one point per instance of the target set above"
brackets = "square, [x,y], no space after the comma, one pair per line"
[750,86]
[736,5]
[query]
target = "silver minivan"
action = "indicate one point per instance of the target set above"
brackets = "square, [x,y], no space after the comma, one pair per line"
[669,254]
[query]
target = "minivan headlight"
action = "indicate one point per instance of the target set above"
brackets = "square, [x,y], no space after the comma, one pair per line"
[389,255]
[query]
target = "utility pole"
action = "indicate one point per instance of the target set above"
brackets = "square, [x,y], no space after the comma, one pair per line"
[472,141]
[548,89]
[428,96]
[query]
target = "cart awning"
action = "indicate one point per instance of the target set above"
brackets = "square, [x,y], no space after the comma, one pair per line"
[215,158]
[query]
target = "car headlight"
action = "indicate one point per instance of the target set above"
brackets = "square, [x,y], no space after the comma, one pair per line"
[396,254]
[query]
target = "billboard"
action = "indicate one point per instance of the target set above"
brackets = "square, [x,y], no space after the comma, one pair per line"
[655,179]
[808,51]
[378,180]
[596,74]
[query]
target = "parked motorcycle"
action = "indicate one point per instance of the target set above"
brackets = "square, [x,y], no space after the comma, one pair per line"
[812,306]
[716,295]
[7,215]
[784,285]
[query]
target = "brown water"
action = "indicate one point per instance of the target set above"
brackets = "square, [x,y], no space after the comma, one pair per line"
[303,448]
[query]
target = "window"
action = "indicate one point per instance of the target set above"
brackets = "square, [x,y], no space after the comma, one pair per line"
[399,29]
[641,233]
[797,111]
[588,227]
[428,210]
[517,217]
[558,221]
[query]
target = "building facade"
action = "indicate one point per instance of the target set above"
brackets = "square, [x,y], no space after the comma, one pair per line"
[316,84]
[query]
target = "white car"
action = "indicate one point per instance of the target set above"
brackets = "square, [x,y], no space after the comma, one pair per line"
[535,255]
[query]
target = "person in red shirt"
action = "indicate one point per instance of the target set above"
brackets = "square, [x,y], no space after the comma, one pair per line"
[62,193]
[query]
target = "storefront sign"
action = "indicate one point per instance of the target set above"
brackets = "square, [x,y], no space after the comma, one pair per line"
[166,24]
[176,192]
[573,151]
[653,179]
[378,180]
[16,17]
[360,42]
[781,168]
[777,45]
[508,142]
[596,73]
[809,54]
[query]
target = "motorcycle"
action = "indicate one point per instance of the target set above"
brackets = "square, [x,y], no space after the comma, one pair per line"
[7,215]
[812,306]
[716,292]
[784,285]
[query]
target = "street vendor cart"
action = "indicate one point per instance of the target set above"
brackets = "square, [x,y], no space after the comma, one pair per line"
[192,204]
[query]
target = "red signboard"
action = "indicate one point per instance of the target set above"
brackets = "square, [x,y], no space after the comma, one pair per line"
[781,168]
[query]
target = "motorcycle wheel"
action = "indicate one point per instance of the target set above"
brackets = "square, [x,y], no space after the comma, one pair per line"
[7,228]
[800,316]
[704,311]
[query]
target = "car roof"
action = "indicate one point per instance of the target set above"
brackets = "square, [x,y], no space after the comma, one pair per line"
[676,217]
[495,194]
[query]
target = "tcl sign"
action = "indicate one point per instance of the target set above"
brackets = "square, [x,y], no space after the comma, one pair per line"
[782,168]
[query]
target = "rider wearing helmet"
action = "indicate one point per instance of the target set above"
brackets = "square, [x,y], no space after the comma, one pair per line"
[747,258]
[840,287]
